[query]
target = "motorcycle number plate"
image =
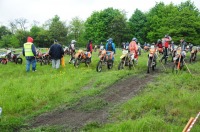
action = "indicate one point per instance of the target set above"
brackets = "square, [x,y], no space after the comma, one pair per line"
[124,51]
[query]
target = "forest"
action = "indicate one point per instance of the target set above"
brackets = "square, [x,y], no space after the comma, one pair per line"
[178,21]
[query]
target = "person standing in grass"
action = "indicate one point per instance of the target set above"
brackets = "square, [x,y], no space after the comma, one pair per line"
[56,52]
[29,51]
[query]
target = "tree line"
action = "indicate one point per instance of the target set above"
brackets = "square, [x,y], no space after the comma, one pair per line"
[178,21]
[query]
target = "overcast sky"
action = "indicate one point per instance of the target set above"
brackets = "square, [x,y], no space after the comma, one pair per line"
[43,10]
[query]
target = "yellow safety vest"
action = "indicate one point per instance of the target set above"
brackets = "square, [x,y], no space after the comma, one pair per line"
[28,49]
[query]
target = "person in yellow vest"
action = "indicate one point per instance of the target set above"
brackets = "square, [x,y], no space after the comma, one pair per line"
[29,51]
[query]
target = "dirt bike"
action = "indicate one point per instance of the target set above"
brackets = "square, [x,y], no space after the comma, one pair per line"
[193,55]
[39,56]
[160,50]
[146,48]
[139,50]
[46,59]
[105,59]
[82,57]
[125,60]
[14,57]
[151,63]
[173,53]
[3,58]
[66,51]
[178,61]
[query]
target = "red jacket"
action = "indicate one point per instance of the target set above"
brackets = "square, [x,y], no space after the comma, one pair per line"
[166,42]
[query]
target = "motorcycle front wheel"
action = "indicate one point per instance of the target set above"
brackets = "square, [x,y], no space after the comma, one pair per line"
[99,67]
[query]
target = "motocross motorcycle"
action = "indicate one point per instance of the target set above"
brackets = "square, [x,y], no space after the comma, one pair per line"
[193,54]
[151,63]
[105,59]
[173,53]
[12,57]
[178,61]
[126,60]
[3,58]
[82,57]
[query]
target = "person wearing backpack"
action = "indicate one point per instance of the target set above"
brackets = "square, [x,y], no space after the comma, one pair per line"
[110,48]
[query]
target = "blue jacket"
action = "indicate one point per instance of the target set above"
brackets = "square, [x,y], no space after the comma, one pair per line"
[56,51]
[113,47]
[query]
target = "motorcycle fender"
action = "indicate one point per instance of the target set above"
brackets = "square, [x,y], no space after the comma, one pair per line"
[122,56]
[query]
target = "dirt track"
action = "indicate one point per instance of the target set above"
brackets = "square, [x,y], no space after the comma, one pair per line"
[75,118]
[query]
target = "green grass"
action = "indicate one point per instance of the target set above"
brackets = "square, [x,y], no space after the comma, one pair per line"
[164,105]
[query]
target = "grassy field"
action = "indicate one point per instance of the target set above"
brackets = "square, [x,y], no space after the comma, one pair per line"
[166,104]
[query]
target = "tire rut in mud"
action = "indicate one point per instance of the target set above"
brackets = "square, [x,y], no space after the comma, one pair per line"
[76,117]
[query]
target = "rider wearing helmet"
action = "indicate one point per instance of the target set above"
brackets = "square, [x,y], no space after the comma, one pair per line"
[110,48]
[165,41]
[133,48]
[72,50]
[183,44]
[159,44]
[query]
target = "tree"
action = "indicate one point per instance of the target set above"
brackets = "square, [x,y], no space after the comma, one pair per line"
[57,29]
[109,23]
[137,25]
[177,21]
[4,31]
[21,22]
[76,29]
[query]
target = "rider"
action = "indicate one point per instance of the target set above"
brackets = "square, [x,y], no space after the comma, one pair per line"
[160,46]
[101,46]
[89,46]
[126,45]
[133,48]
[110,48]
[72,50]
[183,44]
[165,42]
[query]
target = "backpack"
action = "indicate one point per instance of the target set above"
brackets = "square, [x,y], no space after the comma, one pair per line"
[110,48]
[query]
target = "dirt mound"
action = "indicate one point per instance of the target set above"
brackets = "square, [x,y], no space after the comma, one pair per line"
[75,117]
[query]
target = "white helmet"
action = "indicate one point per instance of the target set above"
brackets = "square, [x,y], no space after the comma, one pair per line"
[73,41]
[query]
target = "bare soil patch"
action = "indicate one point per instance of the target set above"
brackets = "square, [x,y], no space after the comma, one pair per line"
[76,116]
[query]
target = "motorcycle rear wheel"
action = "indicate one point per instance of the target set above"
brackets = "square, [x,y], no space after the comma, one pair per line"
[19,61]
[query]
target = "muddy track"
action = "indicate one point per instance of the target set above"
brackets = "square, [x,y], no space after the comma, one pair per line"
[75,118]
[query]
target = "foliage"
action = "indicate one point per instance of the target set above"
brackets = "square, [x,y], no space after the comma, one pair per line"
[57,30]
[137,26]
[76,31]
[109,23]
[178,21]
[41,36]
